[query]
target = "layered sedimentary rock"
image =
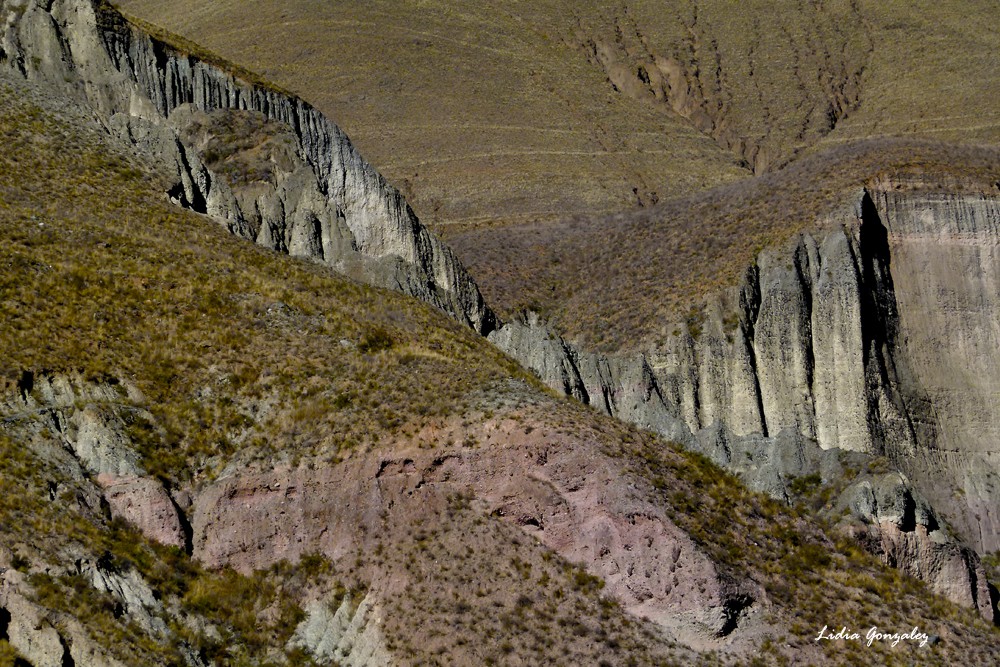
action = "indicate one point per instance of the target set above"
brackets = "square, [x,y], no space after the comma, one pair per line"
[946,271]
[831,343]
[584,505]
[319,200]
[79,429]
[874,334]
[804,345]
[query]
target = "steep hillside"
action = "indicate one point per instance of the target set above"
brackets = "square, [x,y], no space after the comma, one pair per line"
[482,113]
[345,475]
[684,386]
[164,306]
[147,353]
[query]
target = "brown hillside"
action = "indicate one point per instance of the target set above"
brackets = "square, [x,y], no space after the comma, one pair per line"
[515,112]
[433,479]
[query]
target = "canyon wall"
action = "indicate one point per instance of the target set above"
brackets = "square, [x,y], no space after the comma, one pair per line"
[804,345]
[873,334]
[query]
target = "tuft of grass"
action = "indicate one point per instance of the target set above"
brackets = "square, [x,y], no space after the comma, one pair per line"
[376,339]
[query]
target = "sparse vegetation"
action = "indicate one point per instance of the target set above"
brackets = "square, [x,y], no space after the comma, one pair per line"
[240,352]
[240,618]
[802,561]
[537,131]
[110,15]
[528,606]
[243,146]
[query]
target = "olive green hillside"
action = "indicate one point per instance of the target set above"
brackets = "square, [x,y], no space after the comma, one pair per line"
[932,73]
[232,353]
[478,113]
[103,276]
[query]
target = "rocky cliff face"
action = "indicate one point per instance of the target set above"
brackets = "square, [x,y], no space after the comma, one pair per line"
[90,421]
[894,521]
[830,344]
[584,504]
[833,342]
[328,203]
[946,273]
[347,635]
[28,628]
[802,346]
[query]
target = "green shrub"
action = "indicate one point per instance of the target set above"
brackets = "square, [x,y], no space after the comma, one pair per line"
[375,339]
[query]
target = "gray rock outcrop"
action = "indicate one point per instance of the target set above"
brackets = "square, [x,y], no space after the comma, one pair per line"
[875,334]
[898,524]
[330,205]
[802,346]
[347,635]
[134,594]
[67,414]
[36,635]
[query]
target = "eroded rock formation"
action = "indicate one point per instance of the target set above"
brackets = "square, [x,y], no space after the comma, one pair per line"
[327,202]
[831,343]
[874,334]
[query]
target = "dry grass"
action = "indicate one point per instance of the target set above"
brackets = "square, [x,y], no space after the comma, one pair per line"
[812,573]
[237,348]
[488,594]
[523,127]
[225,617]
[102,275]
[245,147]
[110,17]
[484,113]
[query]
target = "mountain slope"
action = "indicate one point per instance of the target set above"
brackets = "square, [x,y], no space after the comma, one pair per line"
[679,389]
[623,283]
[270,409]
[480,113]
[771,83]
